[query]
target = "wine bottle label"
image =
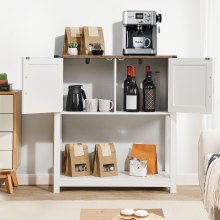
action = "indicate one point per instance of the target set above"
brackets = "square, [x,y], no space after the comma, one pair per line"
[131,102]
[149,99]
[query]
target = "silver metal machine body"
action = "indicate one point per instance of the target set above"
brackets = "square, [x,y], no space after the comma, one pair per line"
[140,24]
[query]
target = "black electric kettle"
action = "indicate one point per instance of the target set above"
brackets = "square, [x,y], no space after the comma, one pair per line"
[75,98]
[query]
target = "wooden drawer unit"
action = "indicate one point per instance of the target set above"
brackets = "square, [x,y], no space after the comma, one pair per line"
[10,129]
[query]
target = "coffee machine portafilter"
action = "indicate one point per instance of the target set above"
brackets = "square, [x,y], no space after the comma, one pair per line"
[140,32]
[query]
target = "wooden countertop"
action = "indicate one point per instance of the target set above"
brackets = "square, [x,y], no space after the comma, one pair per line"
[117,56]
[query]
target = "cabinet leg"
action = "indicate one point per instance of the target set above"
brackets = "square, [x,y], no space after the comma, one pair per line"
[14,179]
[173,189]
[8,183]
[56,189]
[56,151]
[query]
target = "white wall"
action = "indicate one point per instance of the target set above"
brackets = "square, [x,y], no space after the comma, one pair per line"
[31,28]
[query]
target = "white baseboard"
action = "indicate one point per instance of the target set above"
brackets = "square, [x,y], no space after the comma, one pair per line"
[187,179]
[47,179]
[35,179]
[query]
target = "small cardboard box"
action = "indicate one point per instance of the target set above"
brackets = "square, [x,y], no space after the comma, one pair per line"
[105,162]
[74,34]
[76,160]
[147,152]
[93,35]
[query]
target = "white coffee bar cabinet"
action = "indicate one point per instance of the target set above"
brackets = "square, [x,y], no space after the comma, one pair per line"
[182,85]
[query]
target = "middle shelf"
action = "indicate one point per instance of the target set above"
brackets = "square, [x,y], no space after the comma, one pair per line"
[115,113]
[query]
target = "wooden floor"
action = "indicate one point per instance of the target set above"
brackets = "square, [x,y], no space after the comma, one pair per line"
[184,193]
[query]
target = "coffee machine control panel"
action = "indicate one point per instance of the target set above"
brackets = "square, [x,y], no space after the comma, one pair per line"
[139,17]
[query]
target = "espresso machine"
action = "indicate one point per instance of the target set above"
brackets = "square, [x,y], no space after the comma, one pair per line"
[140,32]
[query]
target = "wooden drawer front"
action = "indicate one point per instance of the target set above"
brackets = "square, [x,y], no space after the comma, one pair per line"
[6,122]
[5,159]
[6,140]
[6,104]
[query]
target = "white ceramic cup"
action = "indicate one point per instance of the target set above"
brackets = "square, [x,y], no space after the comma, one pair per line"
[91,105]
[105,105]
[141,42]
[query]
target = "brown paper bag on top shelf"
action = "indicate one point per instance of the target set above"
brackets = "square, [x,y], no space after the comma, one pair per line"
[93,36]
[76,160]
[74,34]
[105,162]
[147,152]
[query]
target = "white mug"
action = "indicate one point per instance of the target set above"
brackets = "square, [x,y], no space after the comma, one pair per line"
[141,42]
[91,105]
[105,105]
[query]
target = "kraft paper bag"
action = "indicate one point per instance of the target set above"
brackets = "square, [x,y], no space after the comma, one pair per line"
[76,160]
[147,152]
[105,162]
[74,34]
[93,35]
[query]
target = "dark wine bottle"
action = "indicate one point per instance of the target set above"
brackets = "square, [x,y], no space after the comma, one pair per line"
[147,70]
[132,93]
[126,84]
[149,92]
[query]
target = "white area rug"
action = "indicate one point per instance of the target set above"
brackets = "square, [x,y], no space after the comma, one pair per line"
[58,210]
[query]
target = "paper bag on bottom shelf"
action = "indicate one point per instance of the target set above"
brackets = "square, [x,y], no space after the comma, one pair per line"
[147,152]
[76,160]
[105,162]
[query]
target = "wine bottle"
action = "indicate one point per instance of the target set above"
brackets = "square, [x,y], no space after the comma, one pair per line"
[149,92]
[126,84]
[132,93]
[147,70]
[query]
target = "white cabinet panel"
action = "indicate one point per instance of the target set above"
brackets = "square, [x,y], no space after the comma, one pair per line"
[5,159]
[6,122]
[190,85]
[6,140]
[42,85]
[6,103]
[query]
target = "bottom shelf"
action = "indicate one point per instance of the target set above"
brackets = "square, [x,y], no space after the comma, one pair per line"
[122,180]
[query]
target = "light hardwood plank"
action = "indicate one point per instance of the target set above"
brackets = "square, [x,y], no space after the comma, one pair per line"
[184,193]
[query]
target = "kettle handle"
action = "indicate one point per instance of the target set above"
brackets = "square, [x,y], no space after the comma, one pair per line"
[83,94]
